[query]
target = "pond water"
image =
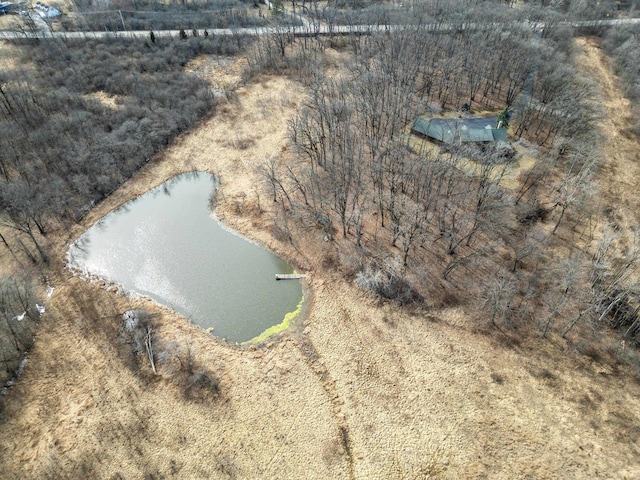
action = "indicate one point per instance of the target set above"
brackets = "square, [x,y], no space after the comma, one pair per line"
[167,245]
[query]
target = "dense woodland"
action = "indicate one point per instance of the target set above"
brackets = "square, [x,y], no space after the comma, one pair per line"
[155,15]
[413,224]
[64,147]
[440,226]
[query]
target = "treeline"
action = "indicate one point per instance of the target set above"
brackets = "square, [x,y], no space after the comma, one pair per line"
[155,15]
[583,9]
[360,12]
[77,120]
[352,12]
[452,12]
[415,223]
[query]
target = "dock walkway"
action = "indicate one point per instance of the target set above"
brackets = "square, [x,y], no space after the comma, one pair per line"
[290,276]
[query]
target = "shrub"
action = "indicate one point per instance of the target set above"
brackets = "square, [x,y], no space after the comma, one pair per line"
[388,284]
[630,356]
[202,382]
[194,381]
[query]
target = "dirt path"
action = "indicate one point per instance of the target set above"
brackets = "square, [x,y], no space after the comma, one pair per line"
[364,391]
[619,181]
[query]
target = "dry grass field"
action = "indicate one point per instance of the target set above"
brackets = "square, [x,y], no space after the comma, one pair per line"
[619,182]
[356,391]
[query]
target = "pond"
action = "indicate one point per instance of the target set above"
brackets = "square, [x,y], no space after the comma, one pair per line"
[167,245]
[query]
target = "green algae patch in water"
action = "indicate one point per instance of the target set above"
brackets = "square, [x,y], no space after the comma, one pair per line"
[289,318]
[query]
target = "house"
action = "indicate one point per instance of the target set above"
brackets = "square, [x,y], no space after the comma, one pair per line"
[459,131]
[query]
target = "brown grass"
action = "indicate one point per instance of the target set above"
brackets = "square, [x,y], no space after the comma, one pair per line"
[363,391]
[619,181]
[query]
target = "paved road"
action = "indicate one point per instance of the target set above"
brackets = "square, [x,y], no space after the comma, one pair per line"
[307,29]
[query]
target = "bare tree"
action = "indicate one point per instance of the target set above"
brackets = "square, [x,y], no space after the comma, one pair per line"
[565,277]
[576,182]
[611,279]
[496,296]
[18,315]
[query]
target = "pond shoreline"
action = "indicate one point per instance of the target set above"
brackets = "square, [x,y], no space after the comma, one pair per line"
[174,249]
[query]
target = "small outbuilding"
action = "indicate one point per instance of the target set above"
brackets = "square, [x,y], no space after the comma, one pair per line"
[9,7]
[46,11]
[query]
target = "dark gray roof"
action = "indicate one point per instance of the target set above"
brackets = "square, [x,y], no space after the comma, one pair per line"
[500,134]
[437,129]
[475,134]
[458,130]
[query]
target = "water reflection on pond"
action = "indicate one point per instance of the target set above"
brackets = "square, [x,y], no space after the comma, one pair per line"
[167,245]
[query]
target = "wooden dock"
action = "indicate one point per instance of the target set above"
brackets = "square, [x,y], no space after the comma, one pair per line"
[290,276]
